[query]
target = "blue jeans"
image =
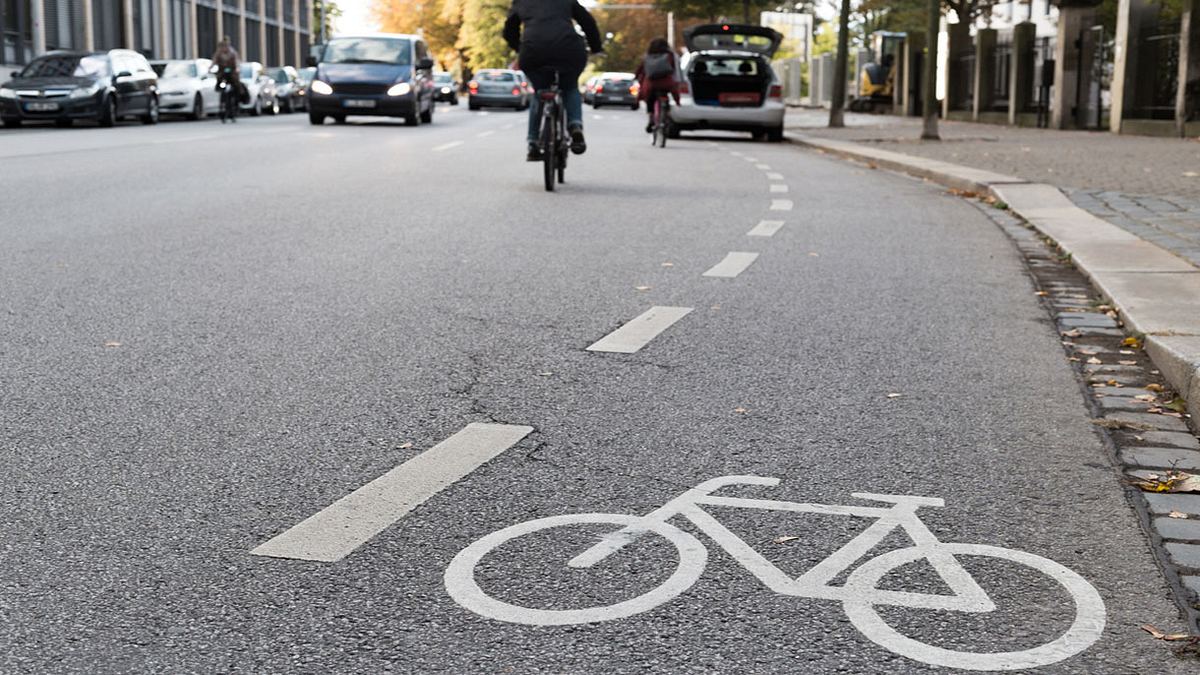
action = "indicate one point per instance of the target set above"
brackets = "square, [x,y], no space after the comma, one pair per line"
[572,101]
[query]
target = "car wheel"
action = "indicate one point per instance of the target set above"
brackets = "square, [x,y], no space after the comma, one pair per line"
[471,105]
[339,119]
[633,107]
[275,107]
[315,119]
[758,135]
[151,116]
[427,116]
[454,101]
[672,130]
[197,109]
[108,116]
[12,122]
[257,109]
[287,107]
[63,122]
[775,134]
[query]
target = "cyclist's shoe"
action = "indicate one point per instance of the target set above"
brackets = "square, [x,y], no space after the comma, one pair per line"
[534,154]
[649,127]
[578,145]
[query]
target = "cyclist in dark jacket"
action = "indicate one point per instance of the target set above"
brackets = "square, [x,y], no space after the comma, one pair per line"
[649,88]
[549,43]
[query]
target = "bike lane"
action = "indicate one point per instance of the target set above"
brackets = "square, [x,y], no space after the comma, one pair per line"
[887,341]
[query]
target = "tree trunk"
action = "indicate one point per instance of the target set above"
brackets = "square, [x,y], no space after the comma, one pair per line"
[929,108]
[836,118]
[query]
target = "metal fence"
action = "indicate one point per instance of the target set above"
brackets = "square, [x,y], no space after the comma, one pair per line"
[962,78]
[1157,71]
[1001,75]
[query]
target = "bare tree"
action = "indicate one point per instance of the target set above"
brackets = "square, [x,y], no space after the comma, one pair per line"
[929,112]
[836,117]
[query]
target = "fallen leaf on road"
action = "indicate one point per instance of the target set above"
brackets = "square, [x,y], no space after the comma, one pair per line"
[1088,352]
[1146,397]
[740,410]
[111,343]
[815,255]
[1127,363]
[1190,174]
[1172,481]
[1177,514]
[545,373]
[668,264]
[1114,383]
[1041,294]
[1074,332]
[785,539]
[1127,351]
[1094,360]
[1178,405]
[1159,635]
[894,395]
[1131,342]
[1121,424]
[641,288]
[405,446]
[1154,387]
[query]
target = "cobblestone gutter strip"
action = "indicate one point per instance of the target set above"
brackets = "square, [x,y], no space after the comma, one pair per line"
[1126,396]
[1156,292]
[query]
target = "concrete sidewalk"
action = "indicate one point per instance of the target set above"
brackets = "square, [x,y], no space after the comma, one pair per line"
[1145,265]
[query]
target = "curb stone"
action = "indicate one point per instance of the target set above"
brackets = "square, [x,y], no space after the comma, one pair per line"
[1156,292]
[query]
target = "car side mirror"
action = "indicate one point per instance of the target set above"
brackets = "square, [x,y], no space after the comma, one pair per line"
[425,64]
[122,75]
[311,61]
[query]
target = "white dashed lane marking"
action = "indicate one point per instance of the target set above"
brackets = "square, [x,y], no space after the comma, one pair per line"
[752,160]
[763,167]
[774,176]
[637,333]
[732,265]
[765,228]
[779,187]
[781,205]
[334,532]
[447,146]
[485,134]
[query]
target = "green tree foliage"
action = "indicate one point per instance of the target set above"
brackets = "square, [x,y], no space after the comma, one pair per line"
[713,10]
[480,38]
[631,30]
[438,21]
[332,12]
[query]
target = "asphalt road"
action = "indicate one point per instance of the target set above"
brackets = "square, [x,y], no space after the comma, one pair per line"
[209,334]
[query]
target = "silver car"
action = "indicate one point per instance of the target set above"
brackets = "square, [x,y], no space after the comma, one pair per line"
[261,88]
[186,87]
[289,89]
[729,82]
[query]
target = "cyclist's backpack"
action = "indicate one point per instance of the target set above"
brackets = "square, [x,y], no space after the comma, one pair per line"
[658,66]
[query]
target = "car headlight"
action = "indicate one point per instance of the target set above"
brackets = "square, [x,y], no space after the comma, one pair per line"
[399,89]
[319,87]
[445,90]
[85,92]
[5,92]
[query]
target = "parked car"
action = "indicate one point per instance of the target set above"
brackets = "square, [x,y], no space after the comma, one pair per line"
[186,87]
[64,86]
[386,74]
[304,78]
[729,82]
[445,88]
[616,89]
[497,88]
[261,89]
[525,83]
[288,90]
[589,89]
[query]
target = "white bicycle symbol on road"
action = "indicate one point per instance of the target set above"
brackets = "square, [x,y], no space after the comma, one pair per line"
[859,595]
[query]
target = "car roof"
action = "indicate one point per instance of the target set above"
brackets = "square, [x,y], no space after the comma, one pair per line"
[617,74]
[407,36]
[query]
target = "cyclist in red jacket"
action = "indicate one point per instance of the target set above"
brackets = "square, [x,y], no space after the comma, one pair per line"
[657,74]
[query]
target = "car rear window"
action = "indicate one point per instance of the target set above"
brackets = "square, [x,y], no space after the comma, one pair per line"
[496,76]
[69,65]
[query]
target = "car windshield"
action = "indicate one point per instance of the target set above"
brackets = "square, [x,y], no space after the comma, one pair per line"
[496,76]
[246,72]
[443,78]
[392,51]
[174,69]
[71,65]
[279,75]
[614,80]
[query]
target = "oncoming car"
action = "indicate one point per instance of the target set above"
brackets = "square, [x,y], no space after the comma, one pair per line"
[445,88]
[384,74]
[729,83]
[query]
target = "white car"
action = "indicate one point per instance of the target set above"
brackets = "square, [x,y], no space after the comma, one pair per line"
[186,87]
[260,87]
[729,83]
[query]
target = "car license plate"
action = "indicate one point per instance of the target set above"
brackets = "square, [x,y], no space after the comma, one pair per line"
[41,107]
[359,103]
[739,98]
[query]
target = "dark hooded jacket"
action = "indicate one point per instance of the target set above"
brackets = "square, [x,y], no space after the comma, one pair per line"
[549,37]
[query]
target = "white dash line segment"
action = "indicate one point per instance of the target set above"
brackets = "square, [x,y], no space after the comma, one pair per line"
[485,134]
[779,187]
[447,146]
[774,176]
[752,160]
[781,205]
[732,265]
[638,332]
[763,167]
[765,228]
[334,532]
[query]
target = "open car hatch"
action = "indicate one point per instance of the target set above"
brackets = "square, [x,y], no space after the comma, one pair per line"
[734,37]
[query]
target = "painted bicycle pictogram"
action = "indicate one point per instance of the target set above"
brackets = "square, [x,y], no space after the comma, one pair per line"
[859,594]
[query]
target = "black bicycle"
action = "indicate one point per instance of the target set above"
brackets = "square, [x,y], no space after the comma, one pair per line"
[662,118]
[553,140]
[229,97]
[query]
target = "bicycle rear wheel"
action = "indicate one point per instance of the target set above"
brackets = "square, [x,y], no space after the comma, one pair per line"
[663,116]
[549,151]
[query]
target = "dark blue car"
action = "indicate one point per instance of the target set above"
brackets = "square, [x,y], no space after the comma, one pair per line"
[385,75]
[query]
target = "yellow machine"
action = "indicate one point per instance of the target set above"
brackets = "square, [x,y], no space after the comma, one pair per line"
[877,81]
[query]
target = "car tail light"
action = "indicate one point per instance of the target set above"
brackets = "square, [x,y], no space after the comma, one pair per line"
[547,95]
[599,89]
[776,91]
[634,89]
[473,86]
[516,91]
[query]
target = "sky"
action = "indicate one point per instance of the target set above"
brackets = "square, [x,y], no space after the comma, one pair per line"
[356,17]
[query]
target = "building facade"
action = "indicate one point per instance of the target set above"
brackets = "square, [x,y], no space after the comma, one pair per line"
[273,32]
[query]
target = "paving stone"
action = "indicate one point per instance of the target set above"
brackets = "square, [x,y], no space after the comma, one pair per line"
[1191,582]
[1187,460]
[1123,392]
[1085,319]
[1162,422]
[1173,439]
[1096,332]
[1129,380]
[1162,504]
[1178,528]
[1111,404]
[1187,555]
[1115,368]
